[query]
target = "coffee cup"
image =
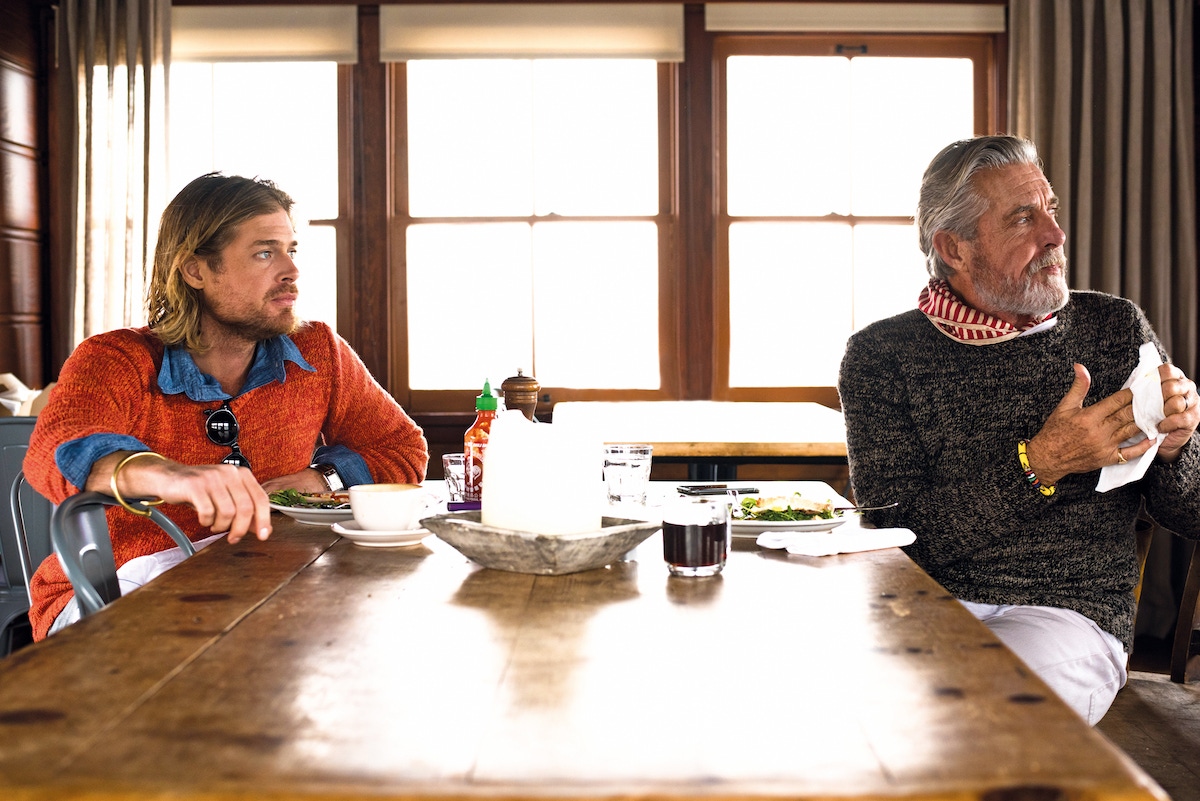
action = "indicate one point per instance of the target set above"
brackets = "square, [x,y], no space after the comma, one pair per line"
[389,507]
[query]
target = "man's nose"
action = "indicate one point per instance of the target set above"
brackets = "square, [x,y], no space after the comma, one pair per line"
[290,270]
[1055,236]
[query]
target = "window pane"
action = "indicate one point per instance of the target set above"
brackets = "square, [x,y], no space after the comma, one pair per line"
[534,138]
[889,271]
[219,122]
[819,135]
[813,136]
[596,137]
[469,138]
[516,138]
[790,303]
[890,158]
[470,304]
[596,304]
[788,132]
[316,258]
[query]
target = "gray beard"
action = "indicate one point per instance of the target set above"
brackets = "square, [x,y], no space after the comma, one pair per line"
[1025,296]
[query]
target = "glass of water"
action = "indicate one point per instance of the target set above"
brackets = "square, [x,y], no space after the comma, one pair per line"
[627,473]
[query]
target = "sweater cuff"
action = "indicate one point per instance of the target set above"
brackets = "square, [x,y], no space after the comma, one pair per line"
[74,458]
[350,466]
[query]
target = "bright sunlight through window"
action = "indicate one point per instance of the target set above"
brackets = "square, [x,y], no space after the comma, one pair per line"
[534,185]
[267,120]
[834,143]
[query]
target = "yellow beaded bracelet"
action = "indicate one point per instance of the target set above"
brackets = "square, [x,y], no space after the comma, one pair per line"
[1029,474]
[116,493]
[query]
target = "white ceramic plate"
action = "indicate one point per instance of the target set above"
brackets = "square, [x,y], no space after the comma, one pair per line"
[750,529]
[314,517]
[380,539]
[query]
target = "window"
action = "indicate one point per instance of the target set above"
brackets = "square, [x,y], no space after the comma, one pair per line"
[823,148]
[273,120]
[539,214]
[620,224]
[533,235]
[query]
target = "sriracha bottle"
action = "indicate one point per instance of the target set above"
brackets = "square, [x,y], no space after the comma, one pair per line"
[475,442]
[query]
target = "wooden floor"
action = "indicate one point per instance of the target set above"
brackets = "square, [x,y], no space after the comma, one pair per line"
[1157,723]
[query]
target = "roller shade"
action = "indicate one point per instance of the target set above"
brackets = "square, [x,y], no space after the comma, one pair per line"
[519,30]
[856,17]
[264,33]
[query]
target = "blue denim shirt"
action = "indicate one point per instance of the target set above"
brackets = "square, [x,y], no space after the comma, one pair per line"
[179,374]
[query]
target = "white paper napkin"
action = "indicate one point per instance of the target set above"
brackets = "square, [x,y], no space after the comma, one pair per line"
[850,537]
[1147,413]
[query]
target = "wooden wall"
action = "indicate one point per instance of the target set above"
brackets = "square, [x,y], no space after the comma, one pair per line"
[23,221]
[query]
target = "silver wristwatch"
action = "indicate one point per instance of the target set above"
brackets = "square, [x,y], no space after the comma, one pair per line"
[332,479]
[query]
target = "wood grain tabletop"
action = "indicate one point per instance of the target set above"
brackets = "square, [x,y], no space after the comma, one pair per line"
[310,667]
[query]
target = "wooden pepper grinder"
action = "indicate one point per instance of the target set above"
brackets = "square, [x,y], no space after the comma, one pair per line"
[521,392]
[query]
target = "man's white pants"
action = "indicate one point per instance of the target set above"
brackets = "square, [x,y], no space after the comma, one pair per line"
[1082,663]
[131,575]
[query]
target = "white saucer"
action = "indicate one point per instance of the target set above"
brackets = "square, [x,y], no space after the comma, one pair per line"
[313,516]
[379,539]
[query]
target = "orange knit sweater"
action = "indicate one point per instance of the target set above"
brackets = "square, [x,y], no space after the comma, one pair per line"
[110,385]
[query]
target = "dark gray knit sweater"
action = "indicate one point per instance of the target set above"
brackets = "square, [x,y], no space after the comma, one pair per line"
[934,424]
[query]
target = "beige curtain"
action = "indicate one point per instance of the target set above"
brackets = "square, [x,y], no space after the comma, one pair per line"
[110,86]
[1105,88]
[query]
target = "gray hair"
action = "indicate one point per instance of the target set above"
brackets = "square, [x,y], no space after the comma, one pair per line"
[949,200]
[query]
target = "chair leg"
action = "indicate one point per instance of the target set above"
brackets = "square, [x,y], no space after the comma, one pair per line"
[1188,618]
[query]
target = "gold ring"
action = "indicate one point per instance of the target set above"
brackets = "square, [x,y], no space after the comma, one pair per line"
[1121,457]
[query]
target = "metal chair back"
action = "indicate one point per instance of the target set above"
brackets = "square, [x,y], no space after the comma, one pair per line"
[24,543]
[79,534]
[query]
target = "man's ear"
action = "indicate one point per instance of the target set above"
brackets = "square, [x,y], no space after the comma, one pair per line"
[952,250]
[190,270]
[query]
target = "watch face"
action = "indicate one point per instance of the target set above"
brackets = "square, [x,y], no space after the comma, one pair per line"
[331,476]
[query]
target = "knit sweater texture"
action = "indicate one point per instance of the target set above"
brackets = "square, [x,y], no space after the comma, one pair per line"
[934,423]
[110,385]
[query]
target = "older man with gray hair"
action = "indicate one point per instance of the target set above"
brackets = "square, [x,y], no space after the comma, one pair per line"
[990,411]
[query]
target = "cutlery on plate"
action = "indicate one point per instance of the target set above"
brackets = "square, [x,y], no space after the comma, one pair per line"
[865,508]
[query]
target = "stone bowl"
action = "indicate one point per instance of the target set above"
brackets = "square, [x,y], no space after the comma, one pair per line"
[540,554]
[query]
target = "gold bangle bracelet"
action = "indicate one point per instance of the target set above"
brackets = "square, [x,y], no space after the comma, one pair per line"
[116,493]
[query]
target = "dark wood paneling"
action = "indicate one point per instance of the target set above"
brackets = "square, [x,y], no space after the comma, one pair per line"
[21,212]
[18,112]
[19,289]
[18,41]
[18,186]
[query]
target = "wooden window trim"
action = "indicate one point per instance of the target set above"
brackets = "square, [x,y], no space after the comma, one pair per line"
[433,402]
[693,321]
[981,48]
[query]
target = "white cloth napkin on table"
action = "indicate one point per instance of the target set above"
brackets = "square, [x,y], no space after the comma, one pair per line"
[850,537]
[1147,413]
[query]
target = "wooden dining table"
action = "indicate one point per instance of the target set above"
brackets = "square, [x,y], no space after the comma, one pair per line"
[714,437]
[308,667]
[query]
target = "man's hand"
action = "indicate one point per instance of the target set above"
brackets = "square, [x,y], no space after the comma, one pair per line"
[225,497]
[1079,440]
[1180,408]
[307,480]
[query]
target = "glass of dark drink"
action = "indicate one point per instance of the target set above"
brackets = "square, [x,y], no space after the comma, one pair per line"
[696,536]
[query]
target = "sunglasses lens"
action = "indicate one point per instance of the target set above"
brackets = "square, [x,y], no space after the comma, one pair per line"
[237,458]
[222,427]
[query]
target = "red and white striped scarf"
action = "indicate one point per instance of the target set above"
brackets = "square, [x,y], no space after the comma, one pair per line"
[959,321]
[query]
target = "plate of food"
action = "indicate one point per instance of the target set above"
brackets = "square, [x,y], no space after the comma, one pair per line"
[313,508]
[755,514]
